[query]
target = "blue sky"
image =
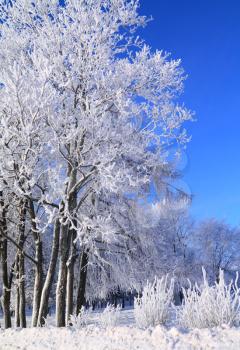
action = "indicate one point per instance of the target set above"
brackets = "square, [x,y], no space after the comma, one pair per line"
[205,34]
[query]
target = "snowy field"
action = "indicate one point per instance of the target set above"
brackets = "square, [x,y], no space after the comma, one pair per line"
[125,336]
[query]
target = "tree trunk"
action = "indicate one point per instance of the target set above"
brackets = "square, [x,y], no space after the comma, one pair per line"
[22,298]
[21,267]
[62,277]
[70,282]
[37,283]
[82,282]
[17,313]
[17,297]
[43,311]
[123,301]
[12,273]
[6,297]
[65,240]
[38,267]
[81,294]
[70,274]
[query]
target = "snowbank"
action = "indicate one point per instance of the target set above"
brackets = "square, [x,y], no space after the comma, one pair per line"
[119,338]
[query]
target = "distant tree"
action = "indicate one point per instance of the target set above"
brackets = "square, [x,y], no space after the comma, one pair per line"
[217,247]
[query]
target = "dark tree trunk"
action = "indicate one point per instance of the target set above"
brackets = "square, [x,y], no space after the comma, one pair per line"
[20,302]
[21,267]
[43,311]
[123,301]
[38,282]
[6,297]
[72,256]
[17,297]
[115,300]
[22,298]
[11,275]
[62,277]
[82,282]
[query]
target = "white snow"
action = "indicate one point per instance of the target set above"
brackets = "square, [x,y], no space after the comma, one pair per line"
[125,336]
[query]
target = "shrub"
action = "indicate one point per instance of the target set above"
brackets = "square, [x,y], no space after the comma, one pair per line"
[210,306]
[47,322]
[153,307]
[110,316]
[82,319]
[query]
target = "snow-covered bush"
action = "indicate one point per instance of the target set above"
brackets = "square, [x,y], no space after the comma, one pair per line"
[47,322]
[210,306]
[110,316]
[153,307]
[81,320]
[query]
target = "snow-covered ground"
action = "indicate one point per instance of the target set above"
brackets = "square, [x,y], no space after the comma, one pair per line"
[125,336]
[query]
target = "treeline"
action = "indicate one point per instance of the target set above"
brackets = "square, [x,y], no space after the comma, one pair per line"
[163,240]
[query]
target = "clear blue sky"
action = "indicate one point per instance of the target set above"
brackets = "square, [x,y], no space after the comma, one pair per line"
[205,34]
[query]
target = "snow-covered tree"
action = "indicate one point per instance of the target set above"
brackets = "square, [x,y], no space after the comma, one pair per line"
[88,111]
[217,247]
